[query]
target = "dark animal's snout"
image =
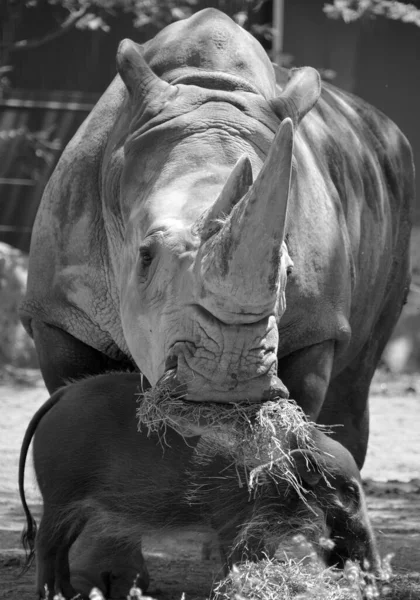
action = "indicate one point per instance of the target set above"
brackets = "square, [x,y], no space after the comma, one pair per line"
[333,475]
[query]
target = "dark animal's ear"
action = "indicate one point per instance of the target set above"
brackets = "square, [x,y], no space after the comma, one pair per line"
[301,93]
[306,464]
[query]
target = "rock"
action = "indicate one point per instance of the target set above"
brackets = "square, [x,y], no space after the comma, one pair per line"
[16,347]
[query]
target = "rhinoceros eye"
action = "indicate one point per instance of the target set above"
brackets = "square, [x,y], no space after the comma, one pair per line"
[289,270]
[145,260]
[145,257]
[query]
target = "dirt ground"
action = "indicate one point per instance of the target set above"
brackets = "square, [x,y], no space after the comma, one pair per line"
[176,563]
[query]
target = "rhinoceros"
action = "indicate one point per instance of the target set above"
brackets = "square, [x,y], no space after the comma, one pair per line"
[237,228]
[116,483]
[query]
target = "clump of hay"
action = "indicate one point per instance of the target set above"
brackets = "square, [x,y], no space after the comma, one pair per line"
[294,580]
[278,427]
[259,437]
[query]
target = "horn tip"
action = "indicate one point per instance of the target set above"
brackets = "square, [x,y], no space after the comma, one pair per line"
[287,123]
[125,45]
[127,52]
[246,167]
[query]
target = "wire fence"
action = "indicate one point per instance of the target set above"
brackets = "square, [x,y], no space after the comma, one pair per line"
[34,128]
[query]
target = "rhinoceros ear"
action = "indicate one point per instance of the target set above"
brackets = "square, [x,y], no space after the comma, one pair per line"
[300,95]
[135,72]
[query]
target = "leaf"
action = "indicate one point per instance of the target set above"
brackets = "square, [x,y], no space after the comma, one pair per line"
[92,22]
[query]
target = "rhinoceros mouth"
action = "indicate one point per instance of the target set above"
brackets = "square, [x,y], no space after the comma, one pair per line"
[169,384]
[172,386]
[188,377]
[168,404]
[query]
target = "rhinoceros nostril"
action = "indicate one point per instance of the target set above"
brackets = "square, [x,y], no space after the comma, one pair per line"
[171,362]
[277,390]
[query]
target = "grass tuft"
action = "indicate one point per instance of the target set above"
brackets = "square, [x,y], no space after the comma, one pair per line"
[294,580]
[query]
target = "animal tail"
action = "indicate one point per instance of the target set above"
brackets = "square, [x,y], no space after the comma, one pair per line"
[29,531]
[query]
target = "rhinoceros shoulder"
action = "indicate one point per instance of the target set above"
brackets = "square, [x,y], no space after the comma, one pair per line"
[71,284]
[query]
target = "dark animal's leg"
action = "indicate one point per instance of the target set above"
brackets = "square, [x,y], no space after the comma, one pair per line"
[127,569]
[62,566]
[62,357]
[210,542]
[46,547]
[106,564]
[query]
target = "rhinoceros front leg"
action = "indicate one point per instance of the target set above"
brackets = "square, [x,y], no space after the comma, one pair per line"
[63,357]
[306,373]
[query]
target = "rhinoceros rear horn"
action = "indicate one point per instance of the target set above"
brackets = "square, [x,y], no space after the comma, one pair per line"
[300,95]
[235,188]
[135,72]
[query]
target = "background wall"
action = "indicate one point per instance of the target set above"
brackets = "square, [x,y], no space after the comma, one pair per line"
[378,60]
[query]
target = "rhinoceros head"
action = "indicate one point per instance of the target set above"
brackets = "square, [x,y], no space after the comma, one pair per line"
[205,261]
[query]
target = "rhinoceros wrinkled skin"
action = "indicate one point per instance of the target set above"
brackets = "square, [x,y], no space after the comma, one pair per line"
[167,232]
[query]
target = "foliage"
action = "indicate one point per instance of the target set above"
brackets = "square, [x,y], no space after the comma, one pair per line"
[36,149]
[40,147]
[95,14]
[351,10]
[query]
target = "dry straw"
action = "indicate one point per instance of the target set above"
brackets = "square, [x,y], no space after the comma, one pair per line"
[290,579]
[259,437]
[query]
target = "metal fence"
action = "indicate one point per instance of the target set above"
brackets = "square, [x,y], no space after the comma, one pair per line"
[34,128]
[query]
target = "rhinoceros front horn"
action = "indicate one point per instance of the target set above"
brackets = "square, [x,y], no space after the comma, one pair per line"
[136,73]
[244,261]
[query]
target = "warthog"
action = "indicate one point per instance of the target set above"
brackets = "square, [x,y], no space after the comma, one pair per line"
[97,470]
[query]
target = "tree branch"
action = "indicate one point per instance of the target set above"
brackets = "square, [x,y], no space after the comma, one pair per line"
[68,24]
